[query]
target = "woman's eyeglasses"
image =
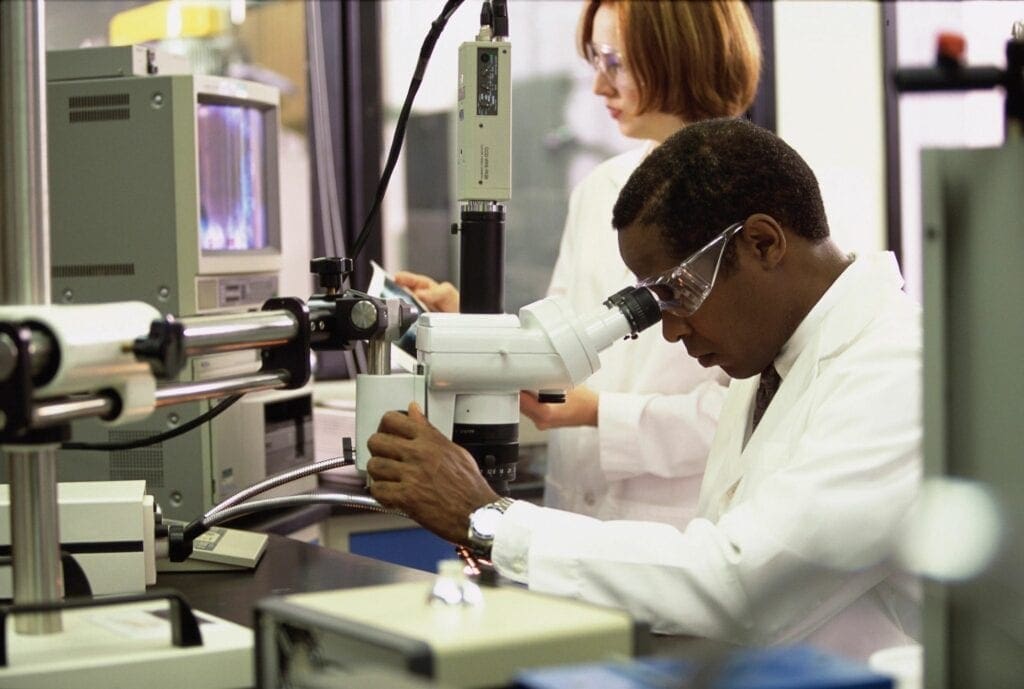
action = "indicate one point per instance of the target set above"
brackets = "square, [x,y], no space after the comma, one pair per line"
[605,59]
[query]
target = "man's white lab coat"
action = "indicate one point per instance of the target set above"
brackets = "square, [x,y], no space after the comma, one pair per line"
[657,407]
[795,523]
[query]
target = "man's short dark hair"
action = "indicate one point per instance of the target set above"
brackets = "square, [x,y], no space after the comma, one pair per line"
[715,173]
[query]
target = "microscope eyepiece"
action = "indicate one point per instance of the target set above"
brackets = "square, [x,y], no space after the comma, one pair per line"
[638,305]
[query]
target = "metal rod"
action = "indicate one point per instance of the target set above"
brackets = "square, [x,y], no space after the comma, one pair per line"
[25,241]
[49,414]
[54,413]
[25,279]
[378,357]
[220,387]
[35,535]
[210,334]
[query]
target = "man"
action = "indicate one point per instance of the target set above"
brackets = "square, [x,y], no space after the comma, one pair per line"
[817,454]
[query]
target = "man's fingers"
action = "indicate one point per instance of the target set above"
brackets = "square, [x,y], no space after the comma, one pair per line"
[390,445]
[409,424]
[399,423]
[416,414]
[384,469]
[385,492]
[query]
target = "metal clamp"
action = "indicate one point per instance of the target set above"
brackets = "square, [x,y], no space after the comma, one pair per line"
[292,357]
[16,402]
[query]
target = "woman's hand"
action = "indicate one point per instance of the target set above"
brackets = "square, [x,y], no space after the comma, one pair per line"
[435,296]
[579,409]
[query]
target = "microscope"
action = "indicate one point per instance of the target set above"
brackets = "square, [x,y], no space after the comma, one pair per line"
[471,368]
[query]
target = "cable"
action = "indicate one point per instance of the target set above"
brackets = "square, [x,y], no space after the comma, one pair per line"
[215,411]
[327,187]
[181,536]
[340,499]
[403,118]
[278,479]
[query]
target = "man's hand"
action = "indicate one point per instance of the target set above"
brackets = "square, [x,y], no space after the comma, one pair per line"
[579,409]
[430,478]
[435,296]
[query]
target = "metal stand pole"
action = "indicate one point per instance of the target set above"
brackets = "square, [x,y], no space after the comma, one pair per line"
[25,279]
[378,357]
[35,535]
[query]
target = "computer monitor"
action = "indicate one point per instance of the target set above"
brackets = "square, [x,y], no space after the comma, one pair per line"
[236,176]
[164,186]
[164,189]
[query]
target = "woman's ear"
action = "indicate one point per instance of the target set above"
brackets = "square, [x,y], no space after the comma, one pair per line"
[765,238]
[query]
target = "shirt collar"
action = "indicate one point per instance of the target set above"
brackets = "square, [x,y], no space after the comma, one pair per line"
[808,326]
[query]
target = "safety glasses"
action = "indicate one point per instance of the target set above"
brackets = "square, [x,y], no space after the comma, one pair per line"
[605,59]
[682,290]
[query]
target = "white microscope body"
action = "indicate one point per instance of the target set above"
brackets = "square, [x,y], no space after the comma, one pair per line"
[471,368]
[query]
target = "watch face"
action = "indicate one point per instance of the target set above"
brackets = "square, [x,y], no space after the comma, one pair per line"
[485,522]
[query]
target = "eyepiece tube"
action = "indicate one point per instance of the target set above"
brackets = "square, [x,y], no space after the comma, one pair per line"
[624,314]
[638,305]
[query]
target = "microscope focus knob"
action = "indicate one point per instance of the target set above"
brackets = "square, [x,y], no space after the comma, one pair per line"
[551,397]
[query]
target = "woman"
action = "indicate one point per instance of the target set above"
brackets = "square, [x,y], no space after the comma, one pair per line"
[632,443]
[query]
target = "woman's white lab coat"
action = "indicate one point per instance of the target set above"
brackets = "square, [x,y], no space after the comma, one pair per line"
[794,529]
[658,407]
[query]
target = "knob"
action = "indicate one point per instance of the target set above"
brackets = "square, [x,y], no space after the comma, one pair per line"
[331,271]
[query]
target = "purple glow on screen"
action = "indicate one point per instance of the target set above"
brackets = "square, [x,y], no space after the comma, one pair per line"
[232,188]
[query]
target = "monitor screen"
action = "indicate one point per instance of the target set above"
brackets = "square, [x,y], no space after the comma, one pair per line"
[232,143]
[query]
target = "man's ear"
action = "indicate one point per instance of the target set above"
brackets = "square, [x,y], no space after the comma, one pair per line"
[764,236]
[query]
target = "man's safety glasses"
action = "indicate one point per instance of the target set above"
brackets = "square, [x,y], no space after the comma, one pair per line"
[681,290]
[605,59]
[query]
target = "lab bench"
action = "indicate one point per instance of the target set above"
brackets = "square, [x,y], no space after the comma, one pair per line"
[290,566]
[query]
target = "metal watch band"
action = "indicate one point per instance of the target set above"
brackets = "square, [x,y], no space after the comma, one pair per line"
[478,543]
[501,504]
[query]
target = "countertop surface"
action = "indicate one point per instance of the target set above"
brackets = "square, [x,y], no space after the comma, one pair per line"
[288,566]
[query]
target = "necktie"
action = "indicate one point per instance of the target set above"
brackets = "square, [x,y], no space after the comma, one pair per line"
[766,389]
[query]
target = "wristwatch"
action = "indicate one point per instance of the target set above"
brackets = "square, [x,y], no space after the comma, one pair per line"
[483,524]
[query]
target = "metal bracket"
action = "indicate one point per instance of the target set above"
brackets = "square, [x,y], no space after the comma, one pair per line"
[292,357]
[16,396]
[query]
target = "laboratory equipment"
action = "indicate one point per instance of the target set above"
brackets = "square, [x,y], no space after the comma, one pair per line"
[483,642]
[973,335]
[472,367]
[164,186]
[54,370]
[483,169]
[140,644]
[109,530]
[163,183]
